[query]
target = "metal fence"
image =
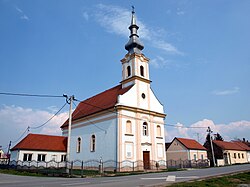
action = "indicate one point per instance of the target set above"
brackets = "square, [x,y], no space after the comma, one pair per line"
[99,167]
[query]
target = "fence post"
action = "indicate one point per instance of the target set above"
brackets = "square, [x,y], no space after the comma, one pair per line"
[101,166]
[82,169]
[71,168]
[133,166]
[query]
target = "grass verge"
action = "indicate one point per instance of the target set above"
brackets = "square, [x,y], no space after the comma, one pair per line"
[225,181]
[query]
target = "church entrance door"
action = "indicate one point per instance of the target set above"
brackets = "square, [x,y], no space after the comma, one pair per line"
[146,159]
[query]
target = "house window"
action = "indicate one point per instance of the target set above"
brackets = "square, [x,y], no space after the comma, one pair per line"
[242,155]
[63,158]
[41,157]
[202,157]
[128,71]
[53,158]
[238,155]
[27,157]
[92,146]
[145,129]
[158,130]
[129,127]
[142,70]
[234,155]
[78,146]
[195,157]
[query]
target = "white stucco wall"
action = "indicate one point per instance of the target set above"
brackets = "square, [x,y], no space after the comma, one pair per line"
[18,155]
[198,154]
[104,129]
[133,98]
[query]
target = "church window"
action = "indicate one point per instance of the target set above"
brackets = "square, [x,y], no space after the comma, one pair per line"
[129,149]
[238,155]
[142,70]
[143,95]
[160,150]
[145,129]
[129,127]
[78,146]
[158,130]
[128,71]
[92,146]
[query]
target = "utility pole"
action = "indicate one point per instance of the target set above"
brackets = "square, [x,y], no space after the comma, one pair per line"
[211,143]
[9,148]
[69,101]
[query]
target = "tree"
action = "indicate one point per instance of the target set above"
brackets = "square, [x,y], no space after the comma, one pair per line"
[218,137]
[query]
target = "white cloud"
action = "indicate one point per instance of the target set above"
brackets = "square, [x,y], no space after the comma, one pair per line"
[116,19]
[180,12]
[230,131]
[85,15]
[15,119]
[226,92]
[158,62]
[23,16]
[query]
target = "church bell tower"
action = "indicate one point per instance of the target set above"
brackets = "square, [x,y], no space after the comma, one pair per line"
[134,65]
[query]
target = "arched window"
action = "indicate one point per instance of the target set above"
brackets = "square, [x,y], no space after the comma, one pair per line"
[145,129]
[129,127]
[78,146]
[158,130]
[128,71]
[92,146]
[142,70]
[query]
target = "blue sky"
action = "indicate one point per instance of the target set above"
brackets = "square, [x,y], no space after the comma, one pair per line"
[198,50]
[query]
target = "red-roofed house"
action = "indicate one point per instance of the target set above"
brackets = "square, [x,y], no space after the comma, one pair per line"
[186,149]
[228,152]
[125,122]
[39,147]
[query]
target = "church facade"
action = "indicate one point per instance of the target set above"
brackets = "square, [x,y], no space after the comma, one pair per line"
[124,123]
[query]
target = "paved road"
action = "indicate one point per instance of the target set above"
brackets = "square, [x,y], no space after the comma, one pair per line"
[155,179]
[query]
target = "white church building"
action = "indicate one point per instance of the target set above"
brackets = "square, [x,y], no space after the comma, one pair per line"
[123,123]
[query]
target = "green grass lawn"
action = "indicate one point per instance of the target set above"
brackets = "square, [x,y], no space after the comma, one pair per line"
[225,181]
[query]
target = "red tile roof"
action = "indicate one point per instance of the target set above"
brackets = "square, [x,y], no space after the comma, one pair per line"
[191,144]
[97,103]
[242,145]
[42,142]
[229,145]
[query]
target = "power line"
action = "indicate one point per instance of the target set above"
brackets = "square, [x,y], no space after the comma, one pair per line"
[27,129]
[29,95]
[91,121]
[49,118]
[176,126]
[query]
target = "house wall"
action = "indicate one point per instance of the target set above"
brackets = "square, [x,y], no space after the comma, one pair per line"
[104,128]
[241,156]
[177,151]
[198,154]
[248,156]
[19,154]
